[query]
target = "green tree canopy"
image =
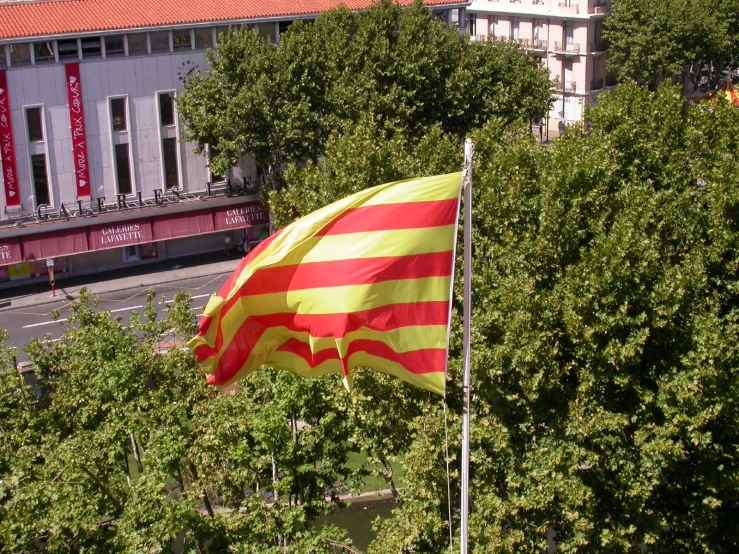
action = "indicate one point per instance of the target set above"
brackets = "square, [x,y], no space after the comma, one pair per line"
[652,41]
[128,450]
[399,68]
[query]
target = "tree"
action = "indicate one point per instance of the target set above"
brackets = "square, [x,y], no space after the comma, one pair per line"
[604,319]
[653,41]
[129,451]
[391,67]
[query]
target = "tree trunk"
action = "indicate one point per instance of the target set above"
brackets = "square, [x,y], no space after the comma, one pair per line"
[206,500]
[274,474]
[136,455]
[388,475]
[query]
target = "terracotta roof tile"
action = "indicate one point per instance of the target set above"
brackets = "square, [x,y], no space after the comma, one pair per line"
[31,19]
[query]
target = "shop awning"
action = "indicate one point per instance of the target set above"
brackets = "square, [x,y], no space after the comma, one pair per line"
[137,230]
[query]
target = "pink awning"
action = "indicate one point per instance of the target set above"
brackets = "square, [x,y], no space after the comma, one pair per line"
[124,233]
[10,251]
[242,215]
[54,244]
[183,225]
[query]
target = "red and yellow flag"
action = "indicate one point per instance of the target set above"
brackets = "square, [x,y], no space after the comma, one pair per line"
[365,281]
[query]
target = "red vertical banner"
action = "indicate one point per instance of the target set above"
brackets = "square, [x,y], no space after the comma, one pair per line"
[79,138]
[7,146]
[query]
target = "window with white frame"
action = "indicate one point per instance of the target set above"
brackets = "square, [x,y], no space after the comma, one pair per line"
[34,124]
[119,124]
[40,180]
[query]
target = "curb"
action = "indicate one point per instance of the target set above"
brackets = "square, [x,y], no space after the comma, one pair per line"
[72,293]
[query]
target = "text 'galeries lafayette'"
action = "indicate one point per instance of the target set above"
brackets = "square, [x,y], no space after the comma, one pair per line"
[121,233]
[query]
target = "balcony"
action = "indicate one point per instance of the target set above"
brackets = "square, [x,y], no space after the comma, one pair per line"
[598,46]
[568,6]
[596,84]
[523,42]
[571,49]
[538,44]
[599,6]
[570,86]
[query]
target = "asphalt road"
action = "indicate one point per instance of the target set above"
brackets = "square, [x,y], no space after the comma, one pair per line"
[24,324]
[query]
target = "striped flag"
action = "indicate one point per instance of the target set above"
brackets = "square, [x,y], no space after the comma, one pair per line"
[363,282]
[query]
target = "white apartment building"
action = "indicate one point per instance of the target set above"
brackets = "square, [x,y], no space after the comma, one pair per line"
[565,36]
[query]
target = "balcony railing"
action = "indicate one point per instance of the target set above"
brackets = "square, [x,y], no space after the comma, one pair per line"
[571,86]
[524,42]
[599,6]
[596,84]
[539,44]
[611,81]
[598,46]
[569,6]
[568,48]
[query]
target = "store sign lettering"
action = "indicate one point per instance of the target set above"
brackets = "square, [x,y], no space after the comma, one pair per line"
[246,214]
[5,255]
[7,146]
[121,233]
[77,118]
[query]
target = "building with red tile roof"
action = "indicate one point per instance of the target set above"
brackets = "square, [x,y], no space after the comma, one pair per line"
[94,176]
[64,17]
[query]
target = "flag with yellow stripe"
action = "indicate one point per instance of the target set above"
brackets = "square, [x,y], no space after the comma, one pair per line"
[363,282]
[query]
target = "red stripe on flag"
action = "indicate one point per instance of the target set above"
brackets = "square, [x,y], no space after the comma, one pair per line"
[418,362]
[385,318]
[337,273]
[231,281]
[388,217]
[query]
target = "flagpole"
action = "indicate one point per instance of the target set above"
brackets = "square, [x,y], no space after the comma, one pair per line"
[469,150]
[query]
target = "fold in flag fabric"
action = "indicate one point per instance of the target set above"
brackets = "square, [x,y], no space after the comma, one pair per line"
[363,282]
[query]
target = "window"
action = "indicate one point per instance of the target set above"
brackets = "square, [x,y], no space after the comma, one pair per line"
[471,25]
[43,52]
[91,48]
[35,128]
[160,41]
[226,29]
[3,61]
[67,49]
[137,44]
[284,26]
[169,156]
[203,38]
[40,181]
[181,39]
[114,46]
[20,54]
[267,31]
[118,113]
[123,169]
[515,25]
[166,108]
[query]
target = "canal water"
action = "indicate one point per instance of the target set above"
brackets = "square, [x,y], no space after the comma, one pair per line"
[357,518]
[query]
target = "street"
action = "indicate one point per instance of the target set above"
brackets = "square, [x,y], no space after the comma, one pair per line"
[24,324]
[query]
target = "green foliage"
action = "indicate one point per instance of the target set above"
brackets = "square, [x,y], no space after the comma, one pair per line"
[388,70]
[652,41]
[128,450]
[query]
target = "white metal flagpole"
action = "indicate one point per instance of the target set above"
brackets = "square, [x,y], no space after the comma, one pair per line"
[469,151]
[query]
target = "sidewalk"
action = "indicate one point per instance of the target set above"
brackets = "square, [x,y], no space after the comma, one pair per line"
[166,271]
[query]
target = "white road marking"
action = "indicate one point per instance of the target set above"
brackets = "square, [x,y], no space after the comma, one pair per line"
[124,309]
[44,323]
[192,298]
